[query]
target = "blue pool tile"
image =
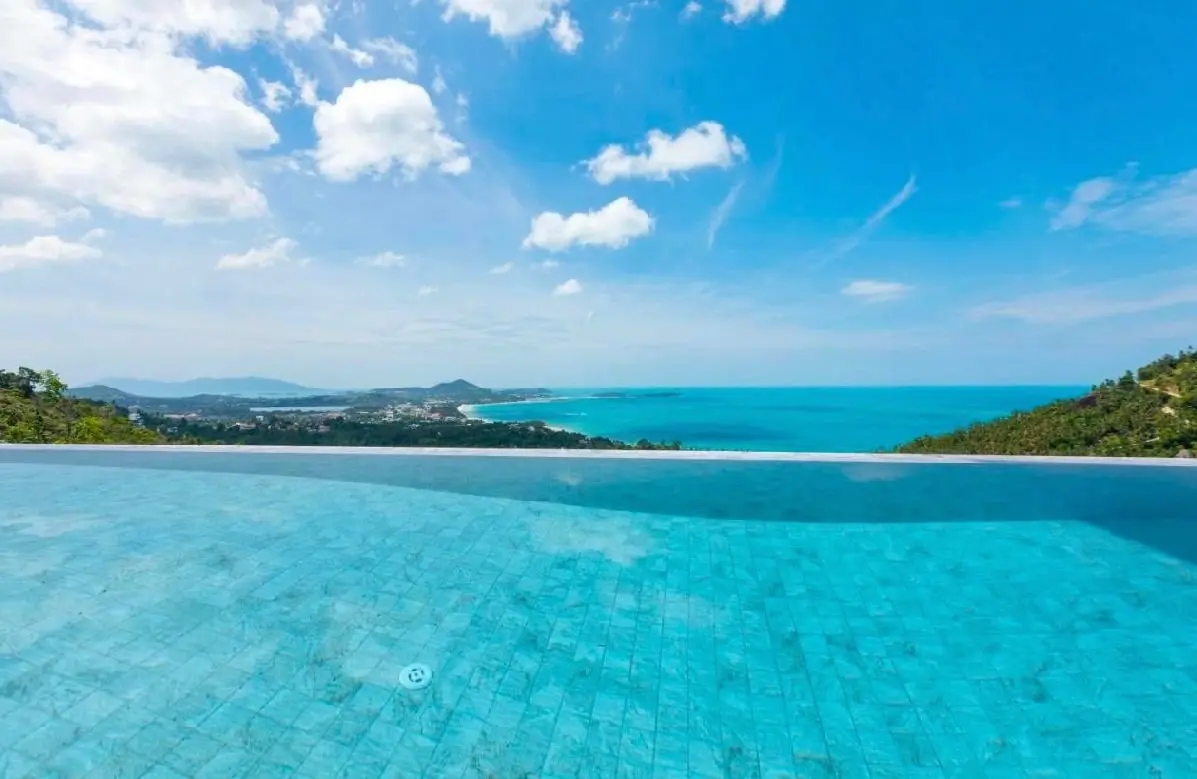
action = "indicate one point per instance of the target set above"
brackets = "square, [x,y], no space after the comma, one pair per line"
[286,707]
[47,739]
[326,758]
[14,765]
[316,717]
[228,764]
[163,772]
[192,752]
[226,721]
[268,639]
[291,749]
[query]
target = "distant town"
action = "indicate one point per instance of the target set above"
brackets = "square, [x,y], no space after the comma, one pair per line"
[404,416]
[317,412]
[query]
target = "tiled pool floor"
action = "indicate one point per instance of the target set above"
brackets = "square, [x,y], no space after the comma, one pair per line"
[176,624]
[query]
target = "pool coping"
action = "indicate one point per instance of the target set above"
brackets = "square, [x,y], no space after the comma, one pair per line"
[582,454]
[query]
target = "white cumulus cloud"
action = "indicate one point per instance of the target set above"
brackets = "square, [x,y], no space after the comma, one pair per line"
[307,85]
[506,267]
[569,287]
[384,260]
[276,252]
[661,156]
[305,22]
[44,250]
[511,19]
[872,291]
[614,225]
[692,9]
[399,53]
[275,95]
[566,33]
[740,11]
[18,208]
[125,120]
[363,59]
[376,126]
[438,82]
[235,22]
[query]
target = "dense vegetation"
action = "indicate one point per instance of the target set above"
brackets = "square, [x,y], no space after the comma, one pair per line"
[1151,413]
[345,432]
[35,409]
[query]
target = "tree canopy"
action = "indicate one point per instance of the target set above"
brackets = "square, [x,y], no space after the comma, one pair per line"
[35,409]
[1151,412]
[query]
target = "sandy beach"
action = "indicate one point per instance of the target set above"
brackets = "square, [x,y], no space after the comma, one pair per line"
[470,411]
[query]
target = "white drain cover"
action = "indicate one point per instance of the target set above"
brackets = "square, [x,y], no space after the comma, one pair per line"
[416,676]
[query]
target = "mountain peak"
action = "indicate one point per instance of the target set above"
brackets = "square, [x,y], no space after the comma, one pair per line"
[456,385]
[243,385]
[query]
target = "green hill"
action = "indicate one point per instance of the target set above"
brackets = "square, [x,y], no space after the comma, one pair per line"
[36,409]
[1150,413]
[103,394]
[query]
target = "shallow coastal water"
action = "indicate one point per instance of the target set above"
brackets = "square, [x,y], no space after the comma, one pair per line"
[811,419]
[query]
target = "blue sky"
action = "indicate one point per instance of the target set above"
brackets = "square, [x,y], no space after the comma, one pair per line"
[531,192]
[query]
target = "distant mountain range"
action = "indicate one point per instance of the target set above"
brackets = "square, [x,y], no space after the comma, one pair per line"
[246,386]
[241,395]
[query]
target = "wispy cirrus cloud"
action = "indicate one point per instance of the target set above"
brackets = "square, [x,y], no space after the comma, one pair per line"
[277,252]
[386,259]
[874,221]
[761,186]
[722,211]
[874,291]
[1075,305]
[1163,205]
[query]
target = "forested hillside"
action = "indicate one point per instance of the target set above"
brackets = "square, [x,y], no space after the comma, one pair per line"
[1149,413]
[35,409]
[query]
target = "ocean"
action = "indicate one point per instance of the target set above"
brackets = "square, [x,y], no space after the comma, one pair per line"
[787,419]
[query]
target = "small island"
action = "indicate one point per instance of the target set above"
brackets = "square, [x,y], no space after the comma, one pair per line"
[38,407]
[1151,412]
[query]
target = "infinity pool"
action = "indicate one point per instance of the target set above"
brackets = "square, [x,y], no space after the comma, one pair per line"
[224,613]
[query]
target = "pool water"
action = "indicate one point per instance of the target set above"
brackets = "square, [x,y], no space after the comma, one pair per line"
[201,624]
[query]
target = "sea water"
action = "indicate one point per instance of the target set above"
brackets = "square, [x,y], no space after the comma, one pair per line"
[812,419]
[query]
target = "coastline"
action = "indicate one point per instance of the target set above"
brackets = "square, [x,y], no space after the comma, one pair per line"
[768,419]
[470,411]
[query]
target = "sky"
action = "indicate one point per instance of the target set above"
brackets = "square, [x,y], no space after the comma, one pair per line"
[349,193]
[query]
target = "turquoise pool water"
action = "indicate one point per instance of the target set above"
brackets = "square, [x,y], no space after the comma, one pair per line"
[236,614]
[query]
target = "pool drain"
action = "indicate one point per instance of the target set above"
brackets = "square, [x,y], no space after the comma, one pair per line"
[416,676]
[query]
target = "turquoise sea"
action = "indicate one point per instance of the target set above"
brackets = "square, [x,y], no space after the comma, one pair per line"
[799,419]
